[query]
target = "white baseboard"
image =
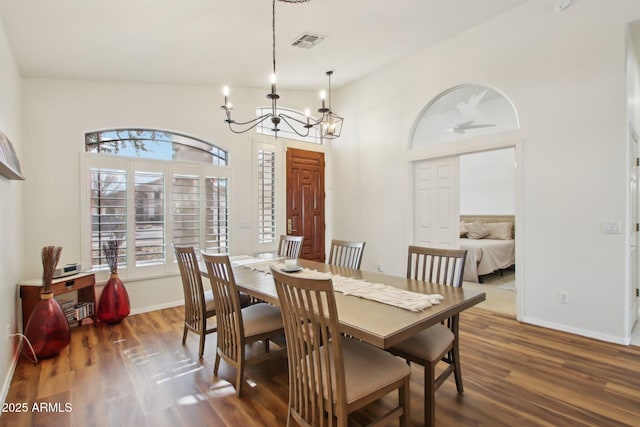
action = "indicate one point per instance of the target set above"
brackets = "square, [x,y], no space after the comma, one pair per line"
[577,331]
[12,369]
[157,307]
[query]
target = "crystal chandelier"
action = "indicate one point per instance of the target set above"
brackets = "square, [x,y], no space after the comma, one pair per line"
[329,124]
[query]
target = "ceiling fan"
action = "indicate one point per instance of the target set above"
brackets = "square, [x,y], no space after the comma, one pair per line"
[468,125]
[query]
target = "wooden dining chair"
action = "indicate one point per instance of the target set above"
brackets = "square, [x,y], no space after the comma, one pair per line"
[290,246]
[439,342]
[238,326]
[198,304]
[331,376]
[346,254]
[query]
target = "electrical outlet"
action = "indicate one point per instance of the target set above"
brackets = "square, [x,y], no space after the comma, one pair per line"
[563,297]
[380,268]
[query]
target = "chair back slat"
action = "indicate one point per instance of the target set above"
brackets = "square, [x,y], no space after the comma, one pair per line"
[228,310]
[346,254]
[314,349]
[194,303]
[441,266]
[290,246]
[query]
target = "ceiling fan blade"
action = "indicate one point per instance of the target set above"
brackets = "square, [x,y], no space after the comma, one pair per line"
[462,127]
[477,126]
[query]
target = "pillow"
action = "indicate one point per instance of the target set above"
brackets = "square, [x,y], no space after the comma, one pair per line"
[463,229]
[475,230]
[499,230]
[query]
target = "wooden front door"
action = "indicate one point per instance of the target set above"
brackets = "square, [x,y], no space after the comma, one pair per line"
[305,201]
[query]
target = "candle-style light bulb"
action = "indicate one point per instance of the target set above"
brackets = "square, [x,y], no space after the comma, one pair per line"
[273,83]
[331,128]
[307,113]
[225,92]
[323,95]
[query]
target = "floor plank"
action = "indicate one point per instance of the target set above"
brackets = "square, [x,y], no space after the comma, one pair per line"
[137,373]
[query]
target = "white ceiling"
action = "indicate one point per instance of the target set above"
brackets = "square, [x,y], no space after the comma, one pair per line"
[213,42]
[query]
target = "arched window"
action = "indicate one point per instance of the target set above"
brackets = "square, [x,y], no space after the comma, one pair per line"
[266,126]
[462,112]
[149,189]
[154,144]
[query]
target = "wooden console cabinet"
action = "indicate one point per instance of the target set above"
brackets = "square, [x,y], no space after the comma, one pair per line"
[84,284]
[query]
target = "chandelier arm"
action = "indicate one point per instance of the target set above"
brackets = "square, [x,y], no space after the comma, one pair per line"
[255,122]
[284,119]
[310,124]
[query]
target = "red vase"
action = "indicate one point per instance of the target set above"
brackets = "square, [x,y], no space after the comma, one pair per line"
[114,301]
[48,329]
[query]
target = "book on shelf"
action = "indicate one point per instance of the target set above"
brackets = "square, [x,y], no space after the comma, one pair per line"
[75,312]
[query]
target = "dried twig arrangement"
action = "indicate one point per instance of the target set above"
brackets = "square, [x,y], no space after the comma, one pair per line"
[111,250]
[50,258]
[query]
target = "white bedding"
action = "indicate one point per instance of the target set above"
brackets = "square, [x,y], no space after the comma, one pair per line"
[485,256]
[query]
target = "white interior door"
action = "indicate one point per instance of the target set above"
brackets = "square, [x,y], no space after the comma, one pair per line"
[436,203]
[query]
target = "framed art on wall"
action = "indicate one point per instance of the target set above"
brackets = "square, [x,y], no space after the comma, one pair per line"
[9,163]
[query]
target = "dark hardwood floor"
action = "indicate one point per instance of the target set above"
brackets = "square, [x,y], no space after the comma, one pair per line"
[137,373]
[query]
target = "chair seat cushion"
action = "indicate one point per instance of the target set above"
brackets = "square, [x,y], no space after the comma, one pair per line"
[210,305]
[361,360]
[367,368]
[429,344]
[261,318]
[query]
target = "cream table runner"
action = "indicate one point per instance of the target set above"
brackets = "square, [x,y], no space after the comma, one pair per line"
[379,292]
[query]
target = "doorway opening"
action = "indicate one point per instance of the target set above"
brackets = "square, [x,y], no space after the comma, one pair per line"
[477,190]
[488,196]
[464,147]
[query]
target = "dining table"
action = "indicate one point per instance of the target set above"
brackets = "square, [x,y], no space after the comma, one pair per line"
[373,322]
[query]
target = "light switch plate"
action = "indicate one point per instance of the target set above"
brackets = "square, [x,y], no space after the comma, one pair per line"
[613,227]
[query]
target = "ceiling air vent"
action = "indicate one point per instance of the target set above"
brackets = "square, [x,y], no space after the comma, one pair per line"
[307,40]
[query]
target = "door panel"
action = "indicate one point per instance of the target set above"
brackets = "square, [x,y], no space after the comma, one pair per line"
[436,205]
[305,201]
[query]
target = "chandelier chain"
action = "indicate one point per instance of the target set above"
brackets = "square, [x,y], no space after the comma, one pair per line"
[273,32]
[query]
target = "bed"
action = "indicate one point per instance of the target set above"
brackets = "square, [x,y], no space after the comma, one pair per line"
[489,241]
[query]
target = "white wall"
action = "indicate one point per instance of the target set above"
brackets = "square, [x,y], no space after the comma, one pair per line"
[488,183]
[565,74]
[10,214]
